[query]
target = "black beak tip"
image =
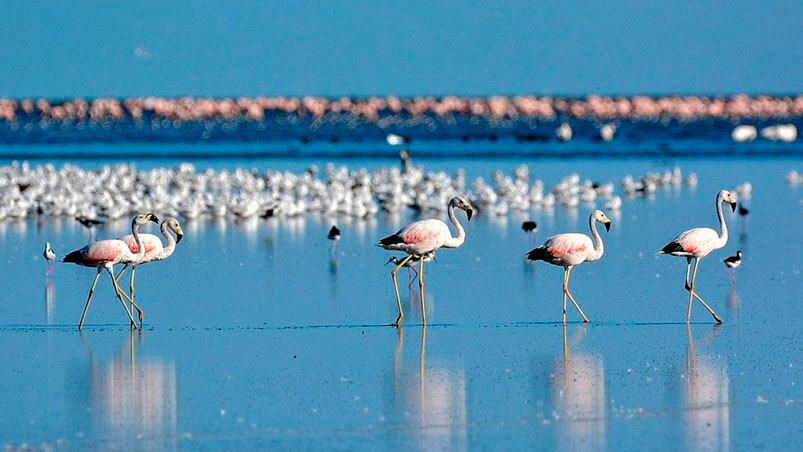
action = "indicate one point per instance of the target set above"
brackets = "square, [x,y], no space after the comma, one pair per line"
[733,207]
[154,218]
[179,237]
[608,226]
[469,213]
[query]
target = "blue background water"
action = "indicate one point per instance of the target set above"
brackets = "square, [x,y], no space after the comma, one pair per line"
[257,337]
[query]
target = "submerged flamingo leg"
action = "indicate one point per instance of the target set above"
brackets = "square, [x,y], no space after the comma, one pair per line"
[396,287]
[89,300]
[421,289]
[694,293]
[569,293]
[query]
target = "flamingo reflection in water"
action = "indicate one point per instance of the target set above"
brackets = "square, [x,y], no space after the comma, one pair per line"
[133,400]
[578,389]
[706,399]
[434,397]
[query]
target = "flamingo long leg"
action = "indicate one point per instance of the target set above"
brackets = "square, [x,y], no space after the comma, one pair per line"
[120,275]
[131,298]
[694,293]
[421,288]
[134,305]
[396,287]
[571,297]
[88,300]
[565,290]
[690,288]
[117,292]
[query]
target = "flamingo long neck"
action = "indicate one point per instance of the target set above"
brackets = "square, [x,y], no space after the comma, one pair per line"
[171,242]
[599,247]
[140,254]
[723,228]
[455,242]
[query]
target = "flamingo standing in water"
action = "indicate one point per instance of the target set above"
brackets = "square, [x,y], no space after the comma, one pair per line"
[104,254]
[422,238]
[568,250]
[154,251]
[696,244]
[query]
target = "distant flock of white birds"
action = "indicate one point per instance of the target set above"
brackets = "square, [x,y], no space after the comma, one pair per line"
[114,192]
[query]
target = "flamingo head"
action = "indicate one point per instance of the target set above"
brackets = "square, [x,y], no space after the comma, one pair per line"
[463,204]
[600,216]
[144,218]
[728,197]
[173,224]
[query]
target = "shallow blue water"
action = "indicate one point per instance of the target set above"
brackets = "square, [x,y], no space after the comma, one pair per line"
[257,335]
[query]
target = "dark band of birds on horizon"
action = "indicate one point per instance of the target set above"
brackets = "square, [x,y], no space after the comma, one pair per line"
[668,121]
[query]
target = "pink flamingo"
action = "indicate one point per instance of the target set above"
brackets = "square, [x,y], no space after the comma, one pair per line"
[696,244]
[570,249]
[422,238]
[154,252]
[104,254]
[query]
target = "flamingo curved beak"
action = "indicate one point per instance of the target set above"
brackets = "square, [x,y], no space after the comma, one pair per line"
[179,234]
[607,226]
[154,218]
[733,206]
[469,213]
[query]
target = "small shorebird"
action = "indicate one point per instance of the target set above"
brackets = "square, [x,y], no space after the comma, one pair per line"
[104,254]
[334,234]
[732,263]
[424,237]
[49,254]
[571,249]
[410,264]
[50,257]
[696,244]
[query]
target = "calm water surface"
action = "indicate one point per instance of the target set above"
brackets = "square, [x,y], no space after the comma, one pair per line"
[258,335]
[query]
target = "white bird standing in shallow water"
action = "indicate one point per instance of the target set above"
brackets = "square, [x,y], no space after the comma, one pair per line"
[424,237]
[696,244]
[104,254]
[568,250]
[154,252]
[50,257]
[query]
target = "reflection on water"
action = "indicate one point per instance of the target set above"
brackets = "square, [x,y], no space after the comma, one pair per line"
[50,295]
[578,390]
[432,400]
[706,400]
[133,399]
